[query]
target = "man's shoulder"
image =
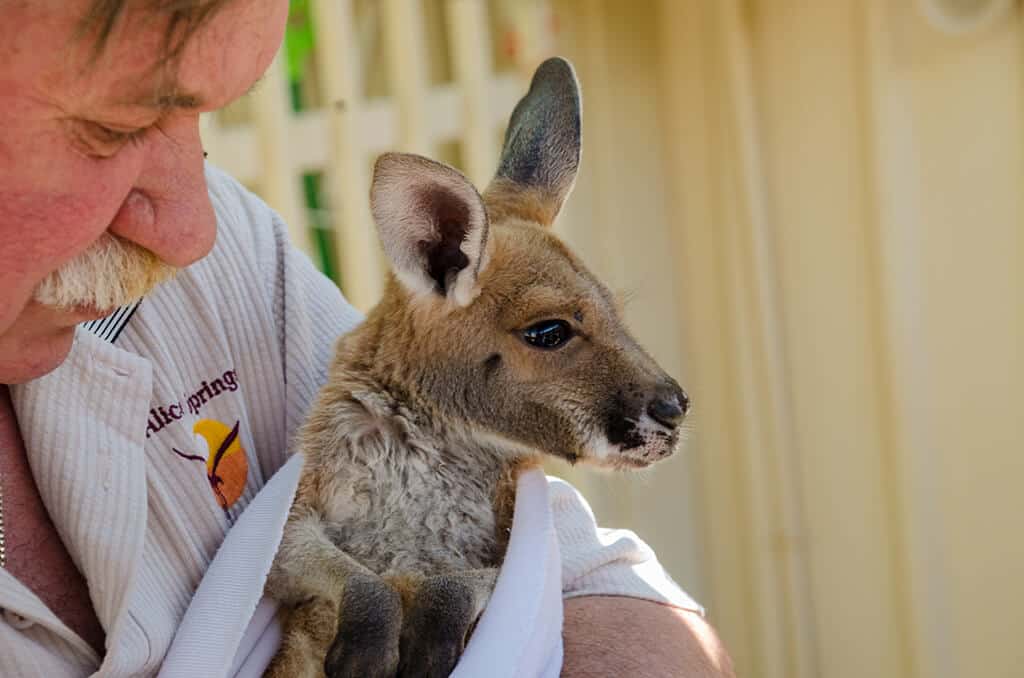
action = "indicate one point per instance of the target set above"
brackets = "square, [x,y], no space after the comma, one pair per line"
[246,225]
[231,200]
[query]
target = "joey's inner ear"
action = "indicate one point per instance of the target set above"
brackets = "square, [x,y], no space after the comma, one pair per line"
[541,154]
[432,225]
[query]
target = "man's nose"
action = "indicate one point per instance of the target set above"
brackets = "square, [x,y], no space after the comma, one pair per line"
[168,210]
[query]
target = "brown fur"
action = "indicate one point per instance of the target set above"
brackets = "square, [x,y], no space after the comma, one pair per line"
[507,200]
[436,403]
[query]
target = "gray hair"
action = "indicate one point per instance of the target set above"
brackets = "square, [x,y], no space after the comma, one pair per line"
[181,18]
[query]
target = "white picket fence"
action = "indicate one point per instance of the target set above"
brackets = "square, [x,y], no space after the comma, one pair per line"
[269,147]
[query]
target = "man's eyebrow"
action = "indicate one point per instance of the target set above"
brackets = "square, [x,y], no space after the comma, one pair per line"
[164,100]
[173,98]
[179,100]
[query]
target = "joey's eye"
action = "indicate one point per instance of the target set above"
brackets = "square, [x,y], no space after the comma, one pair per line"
[548,334]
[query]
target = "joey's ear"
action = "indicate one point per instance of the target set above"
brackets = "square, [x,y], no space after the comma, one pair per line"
[542,148]
[432,224]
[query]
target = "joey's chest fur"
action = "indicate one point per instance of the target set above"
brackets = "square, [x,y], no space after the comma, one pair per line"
[398,494]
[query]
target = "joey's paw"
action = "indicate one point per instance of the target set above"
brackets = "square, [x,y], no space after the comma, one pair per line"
[437,627]
[369,628]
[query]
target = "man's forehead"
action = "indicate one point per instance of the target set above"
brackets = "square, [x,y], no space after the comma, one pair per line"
[128,81]
[216,65]
[191,84]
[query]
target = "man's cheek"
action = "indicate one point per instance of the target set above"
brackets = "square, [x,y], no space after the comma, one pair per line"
[16,294]
[43,229]
[46,225]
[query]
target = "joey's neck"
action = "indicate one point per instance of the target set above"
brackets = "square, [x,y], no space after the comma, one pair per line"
[376,368]
[365,402]
[376,353]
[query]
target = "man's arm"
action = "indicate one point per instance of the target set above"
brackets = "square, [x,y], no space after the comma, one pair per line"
[618,636]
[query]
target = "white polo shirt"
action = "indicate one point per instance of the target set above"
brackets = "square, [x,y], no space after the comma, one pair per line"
[165,423]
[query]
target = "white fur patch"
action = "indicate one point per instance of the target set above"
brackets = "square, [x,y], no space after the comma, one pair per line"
[655,437]
[397,199]
[658,442]
[600,448]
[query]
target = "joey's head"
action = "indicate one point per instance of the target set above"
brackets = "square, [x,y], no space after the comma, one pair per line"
[497,323]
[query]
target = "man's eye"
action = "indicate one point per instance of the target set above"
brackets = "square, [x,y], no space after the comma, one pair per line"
[113,137]
[548,334]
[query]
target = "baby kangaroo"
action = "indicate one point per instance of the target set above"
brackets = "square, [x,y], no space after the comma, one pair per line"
[492,345]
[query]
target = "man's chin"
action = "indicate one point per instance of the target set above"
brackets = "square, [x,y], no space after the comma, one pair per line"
[46,352]
[40,340]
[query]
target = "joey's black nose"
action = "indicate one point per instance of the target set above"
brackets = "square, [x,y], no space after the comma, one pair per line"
[669,406]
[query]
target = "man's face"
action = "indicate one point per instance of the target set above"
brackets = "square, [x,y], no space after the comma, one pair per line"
[101,162]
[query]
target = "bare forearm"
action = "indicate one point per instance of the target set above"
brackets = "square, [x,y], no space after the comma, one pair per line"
[616,636]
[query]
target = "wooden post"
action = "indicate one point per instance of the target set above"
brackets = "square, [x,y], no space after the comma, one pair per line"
[471,54]
[403,34]
[355,239]
[279,183]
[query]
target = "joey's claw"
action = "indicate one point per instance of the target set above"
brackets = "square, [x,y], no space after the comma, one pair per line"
[436,629]
[369,628]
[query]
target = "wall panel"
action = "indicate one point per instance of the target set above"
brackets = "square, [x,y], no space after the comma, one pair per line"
[851,246]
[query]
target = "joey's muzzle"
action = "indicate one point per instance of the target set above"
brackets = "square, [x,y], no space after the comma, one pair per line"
[642,423]
[669,405]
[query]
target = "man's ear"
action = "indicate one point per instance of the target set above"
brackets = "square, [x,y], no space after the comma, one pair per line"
[432,224]
[541,154]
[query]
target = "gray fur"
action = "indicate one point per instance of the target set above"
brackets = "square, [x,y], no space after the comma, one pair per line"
[401,496]
[542,142]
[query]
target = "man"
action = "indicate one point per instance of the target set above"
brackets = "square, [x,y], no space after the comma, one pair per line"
[133,443]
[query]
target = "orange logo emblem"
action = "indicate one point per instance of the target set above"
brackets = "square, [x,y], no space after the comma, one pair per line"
[227,466]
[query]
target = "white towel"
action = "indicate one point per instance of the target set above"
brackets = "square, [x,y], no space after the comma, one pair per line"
[229,631]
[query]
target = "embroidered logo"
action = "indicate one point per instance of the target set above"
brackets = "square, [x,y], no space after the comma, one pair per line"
[226,464]
[164,415]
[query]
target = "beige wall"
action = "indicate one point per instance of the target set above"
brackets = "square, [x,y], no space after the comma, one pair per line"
[851,250]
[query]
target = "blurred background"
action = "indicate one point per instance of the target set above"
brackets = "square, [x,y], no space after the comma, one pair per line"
[816,212]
